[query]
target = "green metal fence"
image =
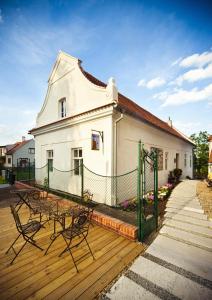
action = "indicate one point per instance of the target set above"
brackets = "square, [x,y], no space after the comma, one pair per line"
[147,192]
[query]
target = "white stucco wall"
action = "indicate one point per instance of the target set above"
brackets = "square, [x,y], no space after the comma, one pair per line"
[7,164]
[130,131]
[62,142]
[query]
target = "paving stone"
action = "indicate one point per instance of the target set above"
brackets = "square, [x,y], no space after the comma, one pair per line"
[189,227]
[125,289]
[197,210]
[183,212]
[190,258]
[182,288]
[187,237]
[188,219]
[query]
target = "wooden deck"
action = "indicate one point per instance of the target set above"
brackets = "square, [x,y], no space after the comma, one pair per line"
[35,276]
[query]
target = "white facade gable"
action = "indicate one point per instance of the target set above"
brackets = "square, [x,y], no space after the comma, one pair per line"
[66,81]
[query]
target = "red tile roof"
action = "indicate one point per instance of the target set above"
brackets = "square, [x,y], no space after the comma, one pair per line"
[16,146]
[137,111]
[210,138]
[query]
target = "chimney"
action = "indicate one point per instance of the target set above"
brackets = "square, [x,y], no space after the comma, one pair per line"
[23,138]
[169,122]
[111,90]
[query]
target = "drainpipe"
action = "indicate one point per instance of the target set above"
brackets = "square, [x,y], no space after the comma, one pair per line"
[116,152]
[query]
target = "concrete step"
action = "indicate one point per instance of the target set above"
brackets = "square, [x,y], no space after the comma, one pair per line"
[185,204]
[196,209]
[204,231]
[188,219]
[183,212]
[188,257]
[126,289]
[187,237]
[172,282]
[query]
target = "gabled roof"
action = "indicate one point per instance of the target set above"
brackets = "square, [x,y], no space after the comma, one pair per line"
[16,147]
[137,111]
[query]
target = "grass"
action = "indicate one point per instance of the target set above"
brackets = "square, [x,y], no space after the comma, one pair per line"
[204,194]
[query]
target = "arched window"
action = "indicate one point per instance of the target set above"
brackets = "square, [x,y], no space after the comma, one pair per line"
[62,108]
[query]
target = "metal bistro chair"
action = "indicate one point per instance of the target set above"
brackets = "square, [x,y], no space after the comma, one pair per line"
[28,231]
[79,227]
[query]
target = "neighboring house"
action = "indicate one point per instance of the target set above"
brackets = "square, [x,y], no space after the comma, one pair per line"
[21,153]
[210,155]
[83,118]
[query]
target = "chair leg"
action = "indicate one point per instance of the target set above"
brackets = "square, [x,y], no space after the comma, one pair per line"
[16,254]
[66,249]
[13,244]
[89,247]
[69,249]
[52,241]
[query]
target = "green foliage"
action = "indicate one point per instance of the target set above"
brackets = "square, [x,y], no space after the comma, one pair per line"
[201,153]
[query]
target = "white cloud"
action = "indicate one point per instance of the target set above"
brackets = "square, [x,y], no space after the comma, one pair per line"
[196,60]
[1,17]
[187,127]
[180,96]
[176,62]
[195,75]
[153,83]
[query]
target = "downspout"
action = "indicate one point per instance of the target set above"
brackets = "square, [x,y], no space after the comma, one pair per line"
[116,152]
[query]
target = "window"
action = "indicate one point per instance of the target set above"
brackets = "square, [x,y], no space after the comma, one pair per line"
[166,160]
[50,155]
[31,151]
[185,160]
[77,158]
[94,141]
[160,157]
[9,160]
[62,108]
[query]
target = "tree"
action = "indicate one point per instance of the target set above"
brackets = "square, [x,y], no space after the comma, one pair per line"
[201,153]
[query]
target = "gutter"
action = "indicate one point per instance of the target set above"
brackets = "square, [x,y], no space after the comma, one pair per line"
[116,152]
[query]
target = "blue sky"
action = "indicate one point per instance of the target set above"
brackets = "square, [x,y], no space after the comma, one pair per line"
[160,53]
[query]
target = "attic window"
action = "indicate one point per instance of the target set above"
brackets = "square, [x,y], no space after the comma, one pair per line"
[62,108]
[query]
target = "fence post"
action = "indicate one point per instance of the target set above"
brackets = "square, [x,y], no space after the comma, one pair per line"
[29,170]
[139,191]
[156,188]
[82,178]
[48,173]
[17,175]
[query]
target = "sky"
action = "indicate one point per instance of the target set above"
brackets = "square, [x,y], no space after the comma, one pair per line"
[159,52]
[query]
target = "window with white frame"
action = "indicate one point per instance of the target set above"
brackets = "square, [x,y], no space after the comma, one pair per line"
[185,160]
[62,108]
[166,160]
[77,159]
[50,156]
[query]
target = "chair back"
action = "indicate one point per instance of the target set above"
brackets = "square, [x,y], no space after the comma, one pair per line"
[81,220]
[16,218]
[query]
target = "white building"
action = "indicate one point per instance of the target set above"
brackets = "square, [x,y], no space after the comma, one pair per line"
[84,118]
[20,154]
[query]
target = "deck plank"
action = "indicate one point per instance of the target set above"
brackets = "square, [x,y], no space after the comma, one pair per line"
[35,276]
